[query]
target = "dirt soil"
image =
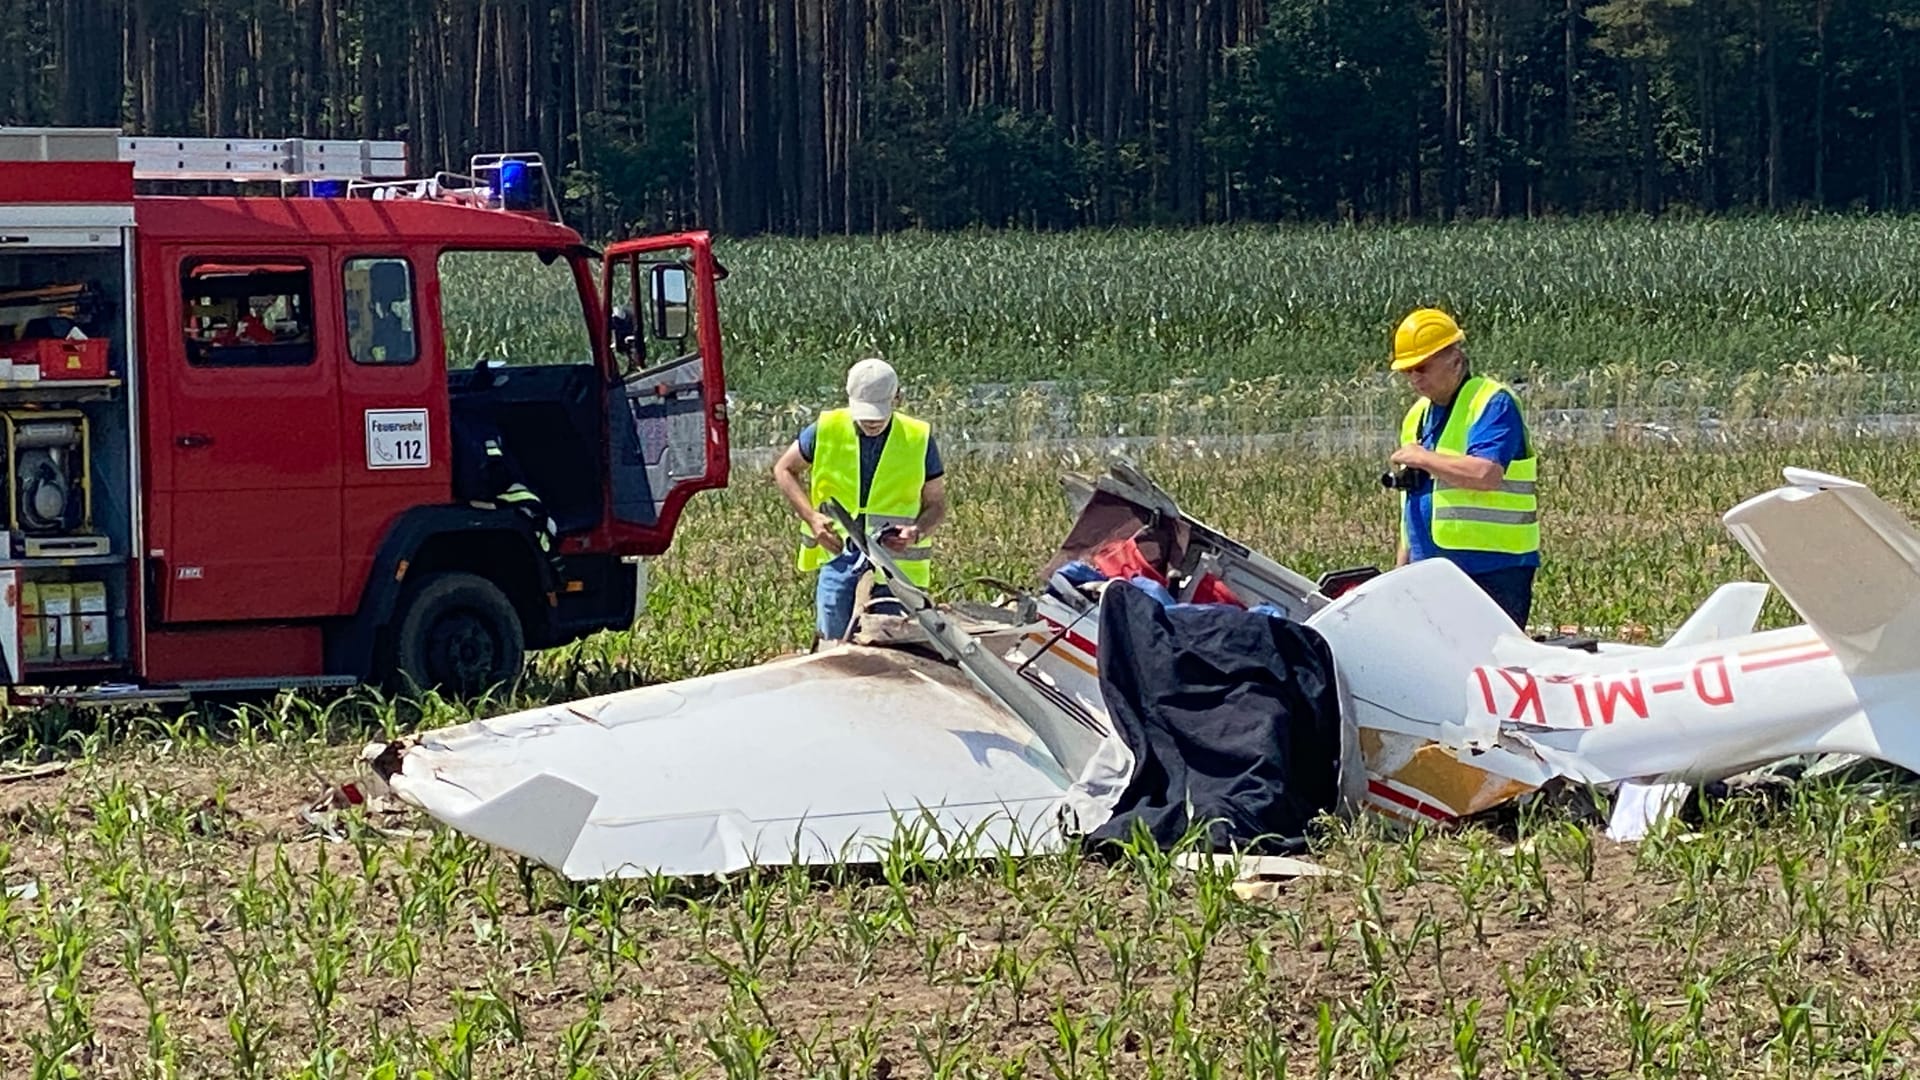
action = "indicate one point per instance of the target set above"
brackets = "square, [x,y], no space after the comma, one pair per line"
[177,911]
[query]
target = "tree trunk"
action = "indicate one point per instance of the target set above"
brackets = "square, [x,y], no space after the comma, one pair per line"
[1775,126]
[1706,87]
[1486,175]
[1454,131]
[313,67]
[584,79]
[515,65]
[1119,38]
[139,54]
[708,130]
[477,116]
[453,80]
[1649,150]
[812,118]
[1905,119]
[733,216]
[953,37]
[1821,9]
[540,83]
[1023,55]
[593,32]
[1059,63]
[565,92]
[758,138]
[329,15]
[72,39]
[1191,112]
[853,61]
[368,73]
[1086,77]
[786,37]
[1416,194]
[1570,135]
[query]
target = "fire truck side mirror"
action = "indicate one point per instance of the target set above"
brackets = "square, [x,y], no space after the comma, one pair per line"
[670,309]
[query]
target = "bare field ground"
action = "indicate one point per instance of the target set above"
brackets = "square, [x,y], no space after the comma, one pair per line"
[170,912]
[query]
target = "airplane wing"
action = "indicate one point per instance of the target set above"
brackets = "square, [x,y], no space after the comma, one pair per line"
[1847,562]
[815,759]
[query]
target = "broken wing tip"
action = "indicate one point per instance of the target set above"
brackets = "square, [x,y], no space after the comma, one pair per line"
[541,817]
[1814,480]
[1799,483]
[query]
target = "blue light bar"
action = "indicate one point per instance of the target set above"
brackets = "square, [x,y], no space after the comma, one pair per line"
[517,187]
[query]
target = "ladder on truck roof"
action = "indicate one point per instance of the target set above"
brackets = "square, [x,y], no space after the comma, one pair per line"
[265,160]
[355,168]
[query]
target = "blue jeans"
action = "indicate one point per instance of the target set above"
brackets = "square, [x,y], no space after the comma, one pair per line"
[833,594]
[1512,589]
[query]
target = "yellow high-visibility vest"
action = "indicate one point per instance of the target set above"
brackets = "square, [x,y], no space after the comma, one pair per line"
[1507,519]
[893,498]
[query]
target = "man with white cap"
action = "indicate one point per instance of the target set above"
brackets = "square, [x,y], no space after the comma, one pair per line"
[884,468]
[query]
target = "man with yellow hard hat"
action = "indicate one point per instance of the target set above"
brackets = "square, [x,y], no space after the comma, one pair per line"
[1467,466]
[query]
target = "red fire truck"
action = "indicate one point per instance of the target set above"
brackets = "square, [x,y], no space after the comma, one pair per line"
[272,413]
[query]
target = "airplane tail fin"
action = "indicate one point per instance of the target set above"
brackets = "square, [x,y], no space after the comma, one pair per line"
[1846,561]
[1407,640]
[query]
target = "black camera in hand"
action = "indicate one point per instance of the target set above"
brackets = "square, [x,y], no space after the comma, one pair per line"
[1403,479]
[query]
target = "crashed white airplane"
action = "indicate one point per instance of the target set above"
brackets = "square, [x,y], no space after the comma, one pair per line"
[985,728]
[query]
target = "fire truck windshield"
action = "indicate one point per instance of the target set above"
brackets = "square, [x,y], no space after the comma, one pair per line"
[512,307]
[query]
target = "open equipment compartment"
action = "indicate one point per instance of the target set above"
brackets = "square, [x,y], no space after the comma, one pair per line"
[69,519]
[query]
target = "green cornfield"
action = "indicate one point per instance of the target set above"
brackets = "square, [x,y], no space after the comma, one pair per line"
[1709,326]
[1130,311]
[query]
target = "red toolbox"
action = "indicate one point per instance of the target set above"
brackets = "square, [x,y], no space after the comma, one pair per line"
[60,358]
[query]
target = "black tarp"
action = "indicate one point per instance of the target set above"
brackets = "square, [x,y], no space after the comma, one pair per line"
[1233,711]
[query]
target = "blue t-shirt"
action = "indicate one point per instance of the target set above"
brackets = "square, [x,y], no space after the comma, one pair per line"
[1499,436]
[871,447]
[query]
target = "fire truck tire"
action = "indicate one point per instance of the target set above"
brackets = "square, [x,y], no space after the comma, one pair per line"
[457,633]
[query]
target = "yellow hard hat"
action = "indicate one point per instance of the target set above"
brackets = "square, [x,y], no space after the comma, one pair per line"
[1422,334]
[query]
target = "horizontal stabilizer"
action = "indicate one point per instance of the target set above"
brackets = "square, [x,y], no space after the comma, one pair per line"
[1847,562]
[1730,612]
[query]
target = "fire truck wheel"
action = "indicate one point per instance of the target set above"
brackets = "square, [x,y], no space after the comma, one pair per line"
[457,632]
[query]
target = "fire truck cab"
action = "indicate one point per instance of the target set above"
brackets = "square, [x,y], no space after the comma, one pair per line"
[358,427]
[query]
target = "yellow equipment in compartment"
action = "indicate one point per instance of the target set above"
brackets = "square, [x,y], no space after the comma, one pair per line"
[90,633]
[33,632]
[49,466]
[63,621]
[56,620]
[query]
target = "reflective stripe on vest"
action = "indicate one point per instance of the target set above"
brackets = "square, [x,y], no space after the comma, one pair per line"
[1505,520]
[893,497]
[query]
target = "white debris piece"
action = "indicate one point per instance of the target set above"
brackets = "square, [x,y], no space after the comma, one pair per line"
[820,758]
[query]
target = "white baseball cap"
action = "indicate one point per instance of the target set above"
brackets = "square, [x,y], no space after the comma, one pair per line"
[871,387]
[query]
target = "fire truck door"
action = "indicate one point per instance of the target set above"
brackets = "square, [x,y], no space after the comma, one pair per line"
[251,440]
[394,443]
[666,413]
